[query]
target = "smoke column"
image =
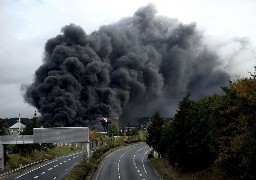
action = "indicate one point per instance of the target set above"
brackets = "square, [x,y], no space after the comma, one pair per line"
[129,69]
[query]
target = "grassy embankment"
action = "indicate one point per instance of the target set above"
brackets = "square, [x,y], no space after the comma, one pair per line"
[167,172]
[15,160]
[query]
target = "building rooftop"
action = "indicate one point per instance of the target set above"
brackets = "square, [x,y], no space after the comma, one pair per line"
[17,127]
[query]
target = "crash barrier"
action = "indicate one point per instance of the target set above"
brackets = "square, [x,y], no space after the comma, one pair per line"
[11,172]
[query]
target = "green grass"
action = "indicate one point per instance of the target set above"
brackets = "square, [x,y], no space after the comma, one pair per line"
[16,160]
[160,167]
[167,172]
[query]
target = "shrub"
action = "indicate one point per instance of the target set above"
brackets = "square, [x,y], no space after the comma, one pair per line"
[150,155]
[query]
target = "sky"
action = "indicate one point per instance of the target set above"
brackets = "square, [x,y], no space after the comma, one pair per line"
[228,27]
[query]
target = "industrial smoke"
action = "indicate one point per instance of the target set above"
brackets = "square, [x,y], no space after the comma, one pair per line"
[129,69]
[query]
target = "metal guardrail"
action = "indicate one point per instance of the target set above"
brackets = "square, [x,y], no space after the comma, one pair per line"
[17,170]
[11,172]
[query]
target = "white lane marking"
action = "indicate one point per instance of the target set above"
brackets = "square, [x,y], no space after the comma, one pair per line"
[118,165]
[102,165]
[143,162]
[105,159]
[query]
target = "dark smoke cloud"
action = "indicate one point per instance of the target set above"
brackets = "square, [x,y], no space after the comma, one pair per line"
[129,69]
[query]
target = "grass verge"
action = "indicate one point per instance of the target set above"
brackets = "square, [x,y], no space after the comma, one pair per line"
[167,172]
[15,160]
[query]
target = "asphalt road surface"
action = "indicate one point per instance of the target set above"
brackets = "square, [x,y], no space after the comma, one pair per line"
[53,170]
[128,163]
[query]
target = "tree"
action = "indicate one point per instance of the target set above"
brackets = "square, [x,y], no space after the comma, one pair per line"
[154,130]
[113,129]
[2,128]
[237,141]
[3,132]
[177,149]
[165,139]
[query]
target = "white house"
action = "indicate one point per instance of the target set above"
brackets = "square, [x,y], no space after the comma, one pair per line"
[17,127]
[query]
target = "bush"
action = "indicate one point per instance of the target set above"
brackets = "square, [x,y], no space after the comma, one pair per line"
[150,155]
[82,171]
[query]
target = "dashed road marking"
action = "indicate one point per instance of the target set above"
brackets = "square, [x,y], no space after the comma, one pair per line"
[143,162]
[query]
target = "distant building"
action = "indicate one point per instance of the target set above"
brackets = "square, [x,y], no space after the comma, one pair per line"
[17,127]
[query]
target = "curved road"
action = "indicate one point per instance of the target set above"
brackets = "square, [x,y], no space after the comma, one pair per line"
[127,163]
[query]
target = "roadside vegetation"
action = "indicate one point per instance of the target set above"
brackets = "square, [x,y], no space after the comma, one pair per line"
[87,168]
[214,135]
[16,160]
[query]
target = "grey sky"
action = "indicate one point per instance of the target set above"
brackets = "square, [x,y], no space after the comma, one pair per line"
[26,25]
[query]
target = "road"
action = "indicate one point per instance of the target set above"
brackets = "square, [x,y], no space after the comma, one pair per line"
[56,169]
[127,163]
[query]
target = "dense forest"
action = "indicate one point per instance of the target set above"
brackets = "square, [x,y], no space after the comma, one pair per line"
[218,131]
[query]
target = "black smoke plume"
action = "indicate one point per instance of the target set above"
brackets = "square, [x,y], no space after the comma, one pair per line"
[129,69]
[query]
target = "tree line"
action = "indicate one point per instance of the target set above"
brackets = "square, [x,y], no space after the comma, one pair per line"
[218,131]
